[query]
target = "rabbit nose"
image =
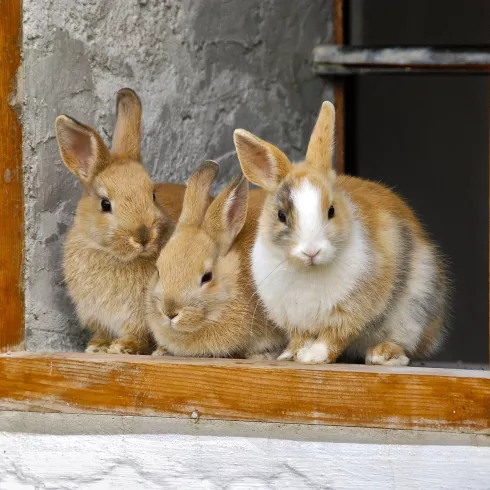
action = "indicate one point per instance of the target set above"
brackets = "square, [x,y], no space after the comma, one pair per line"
[142,235]
[310,252]
[171,309]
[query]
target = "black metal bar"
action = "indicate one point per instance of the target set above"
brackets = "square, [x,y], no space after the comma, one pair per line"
[349,60]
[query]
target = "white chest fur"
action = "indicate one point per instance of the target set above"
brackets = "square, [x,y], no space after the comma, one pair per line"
[303,298]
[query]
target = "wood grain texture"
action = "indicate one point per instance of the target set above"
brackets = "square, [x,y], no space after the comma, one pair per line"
[358,60]
[347,395]
[11,185]
[339,92]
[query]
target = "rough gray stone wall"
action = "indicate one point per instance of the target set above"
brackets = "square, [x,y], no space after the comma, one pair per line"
[201,67]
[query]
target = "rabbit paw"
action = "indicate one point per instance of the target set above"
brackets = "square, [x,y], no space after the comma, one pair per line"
[314,353]
[125,347]
[160,351]
[387,354]
[287,355]
[97,347]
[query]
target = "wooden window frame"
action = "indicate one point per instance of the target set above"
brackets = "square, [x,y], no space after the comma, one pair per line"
[338,59]
[346,395]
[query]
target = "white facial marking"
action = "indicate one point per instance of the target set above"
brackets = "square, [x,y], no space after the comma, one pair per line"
[303,298]
[312,244]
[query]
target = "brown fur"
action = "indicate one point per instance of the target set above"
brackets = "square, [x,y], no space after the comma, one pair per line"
[170,197]
[398,249]
[221,318]
[110,256]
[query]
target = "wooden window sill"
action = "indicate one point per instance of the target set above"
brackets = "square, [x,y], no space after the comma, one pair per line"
[346,395]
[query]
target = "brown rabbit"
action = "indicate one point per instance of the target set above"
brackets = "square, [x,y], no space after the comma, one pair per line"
[202,302]
[118,231]
[342,264]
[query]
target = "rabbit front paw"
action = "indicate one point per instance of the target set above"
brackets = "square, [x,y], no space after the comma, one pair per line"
[387,354]
[298,343]
[314,353]
[287,355]
[95,348]
[160,351]
[98,343]
[127,346]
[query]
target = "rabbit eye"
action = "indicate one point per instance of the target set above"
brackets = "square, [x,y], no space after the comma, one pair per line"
[282,216]
[207,277]
[331,212]
[154,197]
[105,205]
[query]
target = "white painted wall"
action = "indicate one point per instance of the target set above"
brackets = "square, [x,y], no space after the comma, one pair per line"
[96,462]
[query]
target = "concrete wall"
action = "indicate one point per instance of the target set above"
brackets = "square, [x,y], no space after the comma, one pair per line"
[201,67]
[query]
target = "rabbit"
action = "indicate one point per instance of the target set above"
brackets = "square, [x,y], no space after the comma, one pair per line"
[118,231]
[341,264]
[201,302]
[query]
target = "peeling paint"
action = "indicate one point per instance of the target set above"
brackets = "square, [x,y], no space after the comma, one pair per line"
[16,96]
[7,176]
[183,461]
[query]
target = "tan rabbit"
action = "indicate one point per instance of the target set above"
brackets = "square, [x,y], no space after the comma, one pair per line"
[202,302]
[118,230]
[341,264]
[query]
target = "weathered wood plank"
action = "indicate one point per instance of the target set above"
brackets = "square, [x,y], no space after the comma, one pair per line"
[339,92]
[344,60]
[11,185]
[417,398]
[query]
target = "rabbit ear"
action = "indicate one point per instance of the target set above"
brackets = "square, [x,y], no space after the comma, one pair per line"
[320,148]
[262,163]
[227,213]
[127,134]
[81,148]
[197,197]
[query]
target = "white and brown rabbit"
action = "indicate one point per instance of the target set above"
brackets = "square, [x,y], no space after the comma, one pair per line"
[202,303]
[342,264]
[118,230]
